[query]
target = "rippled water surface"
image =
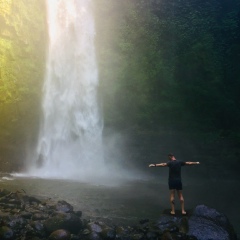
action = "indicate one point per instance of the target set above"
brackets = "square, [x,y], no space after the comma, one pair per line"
[131,200]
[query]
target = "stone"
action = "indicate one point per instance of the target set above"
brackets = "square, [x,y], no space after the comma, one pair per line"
[63,206]
[183,225]
[60,234]
[108,233]
[78,213]
[38,226]
[207,223]
[6,233]
[4,192]
[39,216]
[167,222]
[67,221]
[26,215]
[95,227]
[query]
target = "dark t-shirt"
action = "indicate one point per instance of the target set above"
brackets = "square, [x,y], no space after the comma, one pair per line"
[175,169]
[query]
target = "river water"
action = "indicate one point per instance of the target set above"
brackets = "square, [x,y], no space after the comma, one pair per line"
[128,201]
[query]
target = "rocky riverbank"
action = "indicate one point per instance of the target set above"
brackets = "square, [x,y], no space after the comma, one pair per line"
[31,218]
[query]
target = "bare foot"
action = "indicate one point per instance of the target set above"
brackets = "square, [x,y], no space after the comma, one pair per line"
[172,213]
[184,213]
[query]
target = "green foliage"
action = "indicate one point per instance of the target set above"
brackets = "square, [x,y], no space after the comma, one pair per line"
[169,64]
[129,61]
[22,61]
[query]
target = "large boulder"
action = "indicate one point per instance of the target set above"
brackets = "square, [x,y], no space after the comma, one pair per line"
[63,206]
[67,221]
[207,223]
[6,233]
[60,234]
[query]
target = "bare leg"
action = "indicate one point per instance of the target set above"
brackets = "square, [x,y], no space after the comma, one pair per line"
[180,195]
[172,195]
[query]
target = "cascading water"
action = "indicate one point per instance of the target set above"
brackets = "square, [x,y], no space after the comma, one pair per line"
[70,138]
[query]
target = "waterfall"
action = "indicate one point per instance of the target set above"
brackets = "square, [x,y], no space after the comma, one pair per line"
[70,138]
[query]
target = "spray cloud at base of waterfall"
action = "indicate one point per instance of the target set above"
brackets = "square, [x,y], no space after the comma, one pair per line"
[70,144]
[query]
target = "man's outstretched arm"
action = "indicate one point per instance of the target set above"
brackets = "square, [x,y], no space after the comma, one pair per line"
[192,163]
[158,165]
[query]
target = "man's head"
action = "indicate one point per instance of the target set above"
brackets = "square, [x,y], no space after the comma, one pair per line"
[171,156]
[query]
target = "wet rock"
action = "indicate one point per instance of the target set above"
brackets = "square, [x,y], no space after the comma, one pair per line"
[38,225]
[30,199]
[63,206]
[123,233]
[168,222]
[152,235]
[16,223]
[40,216]
[191,238]
[41,207]
[6,233]
[212,214]
[85,223]
[26,215]
[30,233]
[167,236]
[119,230]
[3,215]
[207,223]
[204,229]
[78,213]
[94,236]
[67,221]
[183,225]
[75,237]
[86,232]
[143,221]
[108,233]
[4,192]
[60,234]
[95,227]
[14,201]
[137,236]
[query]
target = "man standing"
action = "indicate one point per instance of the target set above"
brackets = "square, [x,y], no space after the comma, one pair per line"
[174,179]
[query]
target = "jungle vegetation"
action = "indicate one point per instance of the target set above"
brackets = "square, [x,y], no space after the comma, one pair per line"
[170,63]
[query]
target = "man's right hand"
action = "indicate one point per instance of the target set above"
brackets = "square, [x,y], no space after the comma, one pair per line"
[152,165]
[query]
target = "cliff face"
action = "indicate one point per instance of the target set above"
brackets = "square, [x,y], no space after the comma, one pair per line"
[22,57]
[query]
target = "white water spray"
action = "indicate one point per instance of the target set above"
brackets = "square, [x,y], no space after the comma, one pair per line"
[70,139]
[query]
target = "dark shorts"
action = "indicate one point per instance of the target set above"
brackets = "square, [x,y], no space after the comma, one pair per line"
[175,184]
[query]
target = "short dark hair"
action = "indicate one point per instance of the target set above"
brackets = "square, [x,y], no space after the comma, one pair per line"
[170,155]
